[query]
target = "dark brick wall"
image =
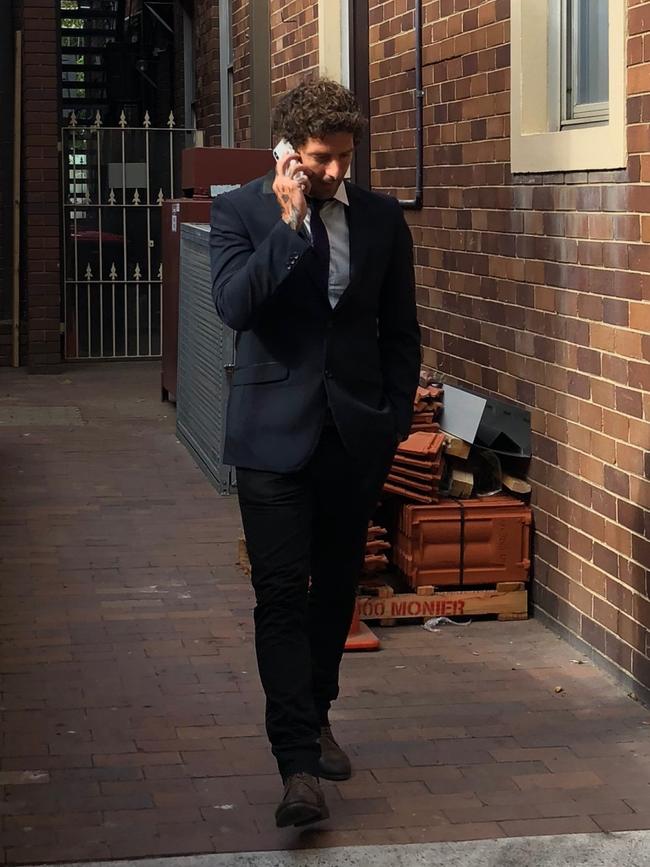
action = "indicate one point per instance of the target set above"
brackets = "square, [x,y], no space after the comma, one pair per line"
[41,184]
[179,69]
[536,288]
[206,53]
[6,184]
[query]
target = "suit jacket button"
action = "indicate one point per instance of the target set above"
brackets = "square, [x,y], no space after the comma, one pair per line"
[328,374]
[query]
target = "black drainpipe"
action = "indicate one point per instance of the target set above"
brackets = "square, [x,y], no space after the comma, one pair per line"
[415,204]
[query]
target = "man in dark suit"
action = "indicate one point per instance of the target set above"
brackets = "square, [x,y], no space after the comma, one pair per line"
[316,277]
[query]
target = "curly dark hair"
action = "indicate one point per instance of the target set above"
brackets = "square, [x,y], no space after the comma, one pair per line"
[316,108]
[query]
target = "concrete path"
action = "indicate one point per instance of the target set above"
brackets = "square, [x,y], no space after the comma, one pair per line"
[631,849]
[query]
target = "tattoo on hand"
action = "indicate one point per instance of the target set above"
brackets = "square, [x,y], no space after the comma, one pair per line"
[293,218]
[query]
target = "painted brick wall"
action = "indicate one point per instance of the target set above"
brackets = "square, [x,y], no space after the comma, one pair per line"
[536,288]
[206,54]
[41,184]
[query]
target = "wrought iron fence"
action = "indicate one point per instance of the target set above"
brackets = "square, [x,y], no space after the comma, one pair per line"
[115,181]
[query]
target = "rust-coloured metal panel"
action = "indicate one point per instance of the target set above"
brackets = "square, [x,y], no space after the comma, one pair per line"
[206,167]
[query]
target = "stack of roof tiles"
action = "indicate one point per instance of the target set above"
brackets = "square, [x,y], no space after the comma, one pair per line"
[483,540]
[427,409]
[376,546]
[417,468]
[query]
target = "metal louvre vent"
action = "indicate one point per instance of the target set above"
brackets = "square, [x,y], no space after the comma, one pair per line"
[205,349]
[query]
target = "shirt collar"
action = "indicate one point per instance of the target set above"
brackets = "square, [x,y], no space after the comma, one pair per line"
[341,195]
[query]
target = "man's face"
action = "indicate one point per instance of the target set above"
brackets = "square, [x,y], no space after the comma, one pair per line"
[327,161]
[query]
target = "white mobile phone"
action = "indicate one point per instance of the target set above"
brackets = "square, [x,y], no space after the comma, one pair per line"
[282,148]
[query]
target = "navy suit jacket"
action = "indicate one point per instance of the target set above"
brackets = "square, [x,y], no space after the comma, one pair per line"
[295,355]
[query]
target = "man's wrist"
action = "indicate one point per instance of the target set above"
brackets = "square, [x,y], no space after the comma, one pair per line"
[291,222]
[292,219]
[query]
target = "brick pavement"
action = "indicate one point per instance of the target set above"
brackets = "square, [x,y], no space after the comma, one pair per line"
[130,705]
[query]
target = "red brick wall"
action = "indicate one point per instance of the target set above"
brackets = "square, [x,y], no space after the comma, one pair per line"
[206,54]
[536,288]
[241,73]
[41,183]
[294,43]
[294,56]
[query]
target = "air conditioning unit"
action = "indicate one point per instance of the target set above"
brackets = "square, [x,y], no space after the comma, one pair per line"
[206,351]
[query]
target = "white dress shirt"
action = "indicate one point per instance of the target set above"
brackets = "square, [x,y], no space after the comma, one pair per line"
[335,221]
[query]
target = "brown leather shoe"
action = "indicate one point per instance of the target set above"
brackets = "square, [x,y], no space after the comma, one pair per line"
[303,802]
[334,763]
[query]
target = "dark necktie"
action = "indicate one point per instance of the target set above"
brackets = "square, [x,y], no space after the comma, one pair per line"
[320,241]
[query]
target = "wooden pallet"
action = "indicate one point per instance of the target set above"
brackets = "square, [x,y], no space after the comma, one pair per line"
[379,600]
[506,600]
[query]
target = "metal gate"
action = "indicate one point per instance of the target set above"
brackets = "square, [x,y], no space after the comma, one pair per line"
[114,182]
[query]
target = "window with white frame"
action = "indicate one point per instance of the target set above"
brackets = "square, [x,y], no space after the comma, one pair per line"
[585,62]
[568,90]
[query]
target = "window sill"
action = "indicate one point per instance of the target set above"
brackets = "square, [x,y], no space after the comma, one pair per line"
[536,145]
[594,148]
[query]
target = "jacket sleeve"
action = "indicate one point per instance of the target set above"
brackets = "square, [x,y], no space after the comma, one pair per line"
[399,332]
[245,278]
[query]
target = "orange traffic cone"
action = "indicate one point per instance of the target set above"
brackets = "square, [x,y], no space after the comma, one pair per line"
[361,637]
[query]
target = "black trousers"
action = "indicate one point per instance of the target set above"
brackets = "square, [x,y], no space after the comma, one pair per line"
[308,524]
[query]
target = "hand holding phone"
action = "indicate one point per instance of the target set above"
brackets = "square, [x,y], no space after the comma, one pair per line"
[284,148]
[291,184]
